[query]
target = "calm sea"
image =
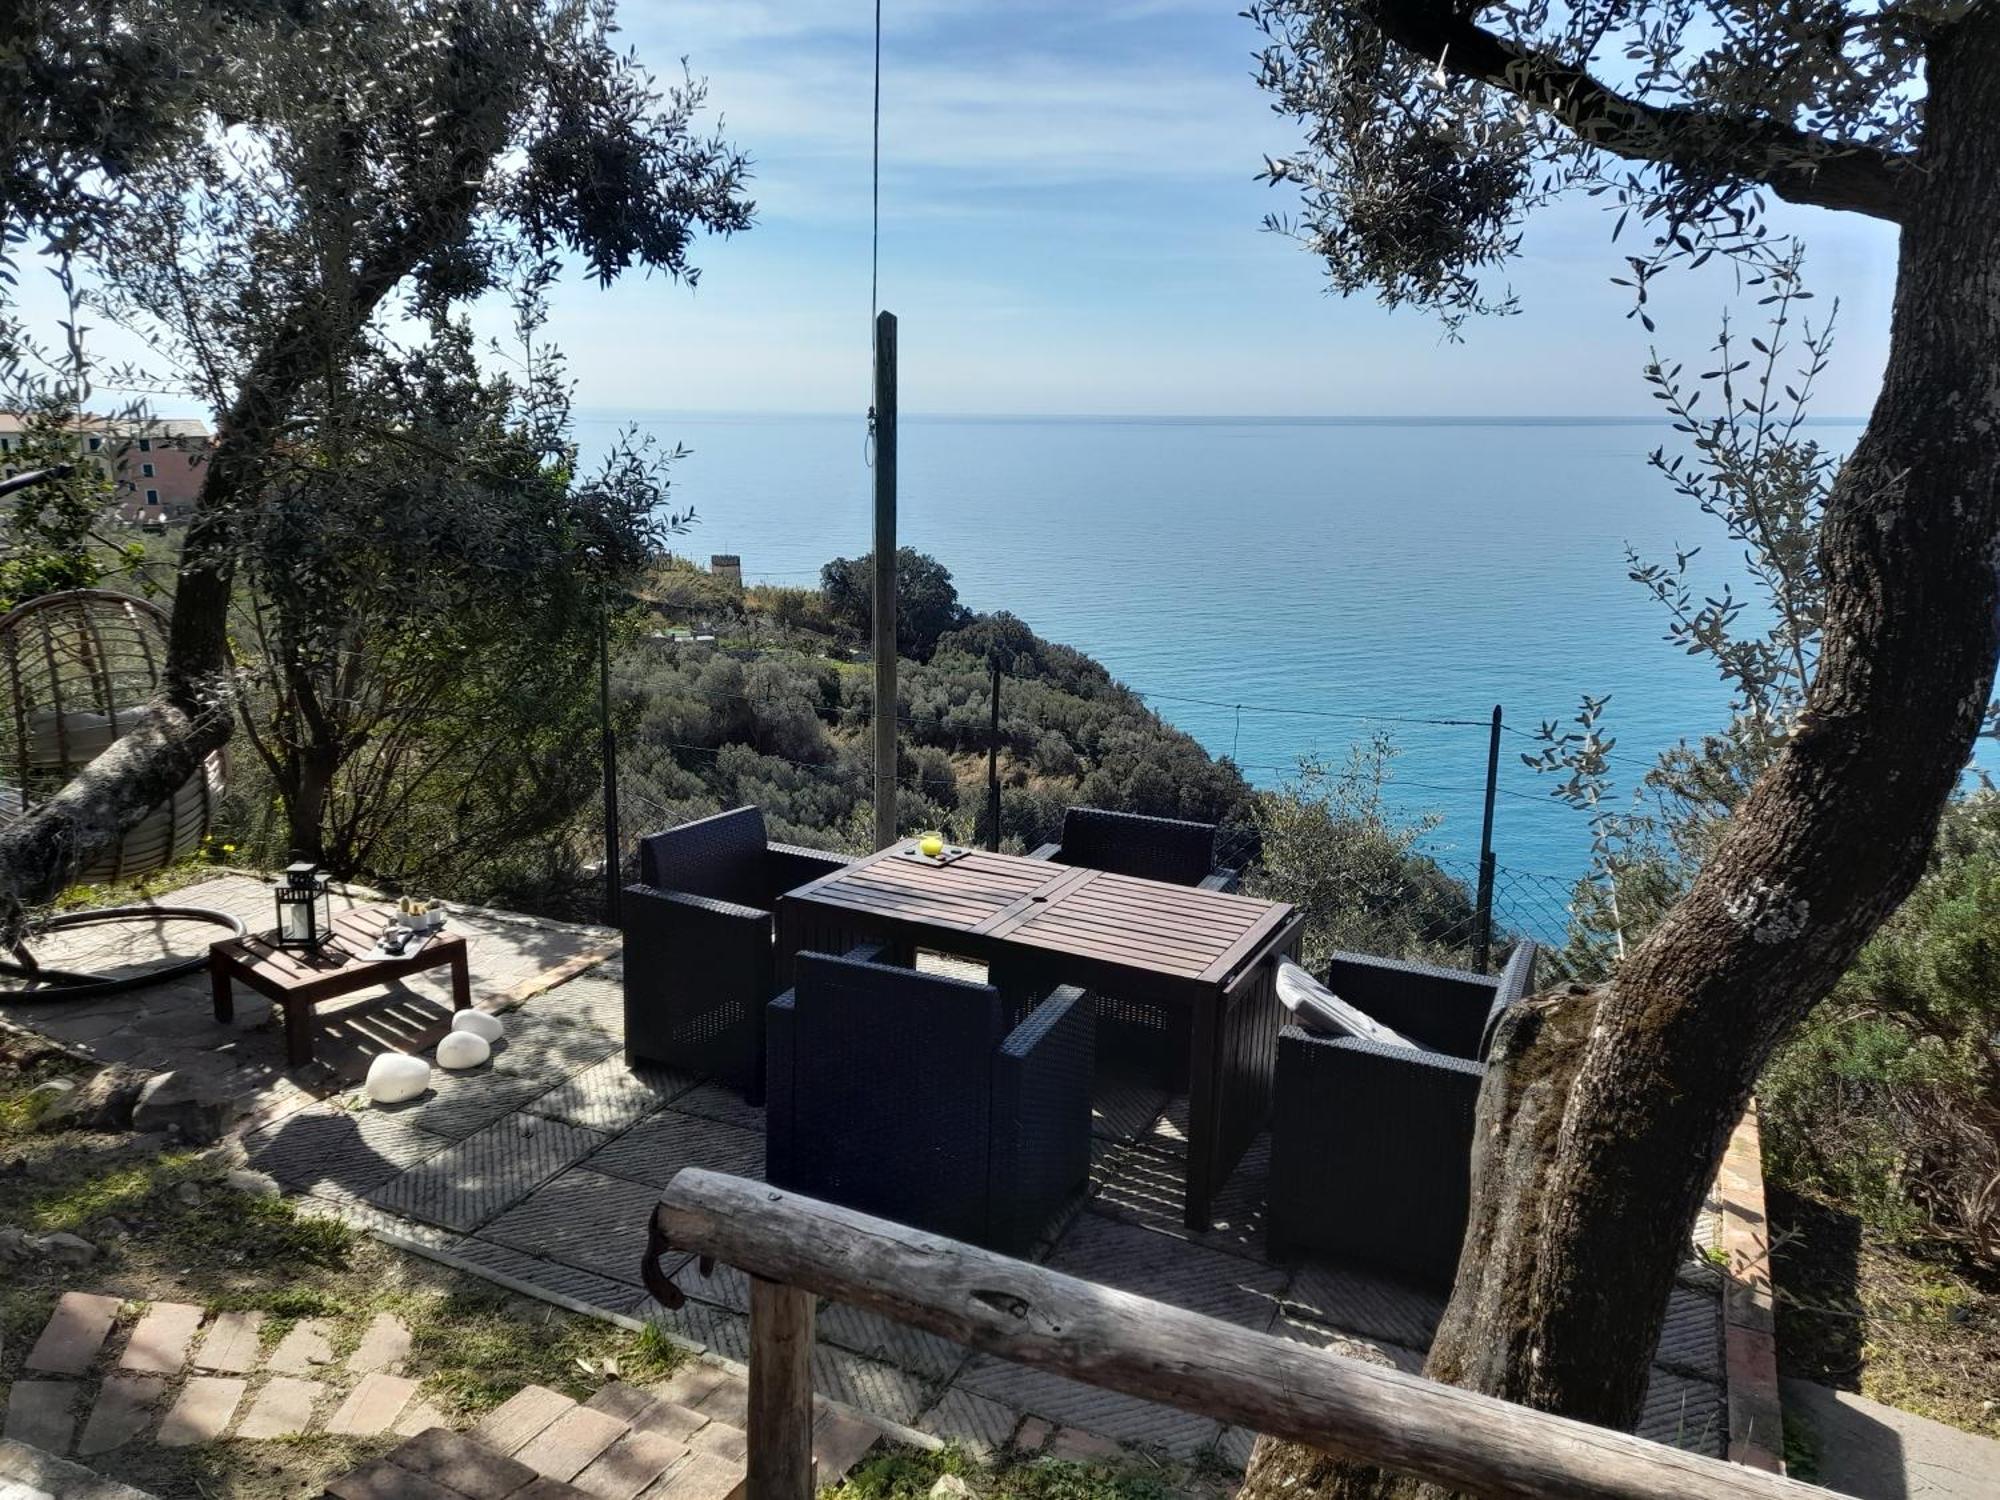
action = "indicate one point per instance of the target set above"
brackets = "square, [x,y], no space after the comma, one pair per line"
[1331,577]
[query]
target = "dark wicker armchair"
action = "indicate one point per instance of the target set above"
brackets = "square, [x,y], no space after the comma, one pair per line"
[699,966]
[1371,1145]
[1133,1032]
[919,1098]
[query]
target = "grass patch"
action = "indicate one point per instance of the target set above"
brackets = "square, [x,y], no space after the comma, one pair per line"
[484,1343]
[909,1474]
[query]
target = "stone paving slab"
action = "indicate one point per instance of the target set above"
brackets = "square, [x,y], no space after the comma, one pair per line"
[28,1473]
[283,1406]
[654,1150]
[202,1412]
[159,1343]
[582,1219]
[1074,1404]
[372,1406]
[465,1185]
[1153,1265]
[307,1346]
[123,1410]
[612,1095]
[517,1419]
[571,1443]
[41,1413]
[700,1476]
[384,1345]
[624,1469]
[76,1330]
[232,1344]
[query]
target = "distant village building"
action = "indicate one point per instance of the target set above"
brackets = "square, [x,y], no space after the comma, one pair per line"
[154,466]
[728,567]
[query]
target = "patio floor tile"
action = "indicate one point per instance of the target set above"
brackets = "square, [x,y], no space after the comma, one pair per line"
[1353,1346]
[586,1287]
[337,1152]
[869,1384]
[653,1150]
[869,1333]
[1074,1404]
[595,1000]
[539,1046]
[1691,1339]
[612,1095]
[980,1426]
[1139,1184]
[1169,1270]
[702,1324]
[1123,1106]
[1357,1301]
[720,1102]
[465,1185]
[1684,1413]
[582,1219]
[461,1103]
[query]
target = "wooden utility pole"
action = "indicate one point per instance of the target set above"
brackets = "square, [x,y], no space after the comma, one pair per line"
[885,579]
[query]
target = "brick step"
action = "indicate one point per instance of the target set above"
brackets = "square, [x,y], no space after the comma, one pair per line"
[681,1441]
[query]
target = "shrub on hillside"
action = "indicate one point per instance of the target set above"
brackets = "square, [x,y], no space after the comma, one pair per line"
[1888,1098]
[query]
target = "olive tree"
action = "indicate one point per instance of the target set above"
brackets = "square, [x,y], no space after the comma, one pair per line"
[1432,130]
[354,167]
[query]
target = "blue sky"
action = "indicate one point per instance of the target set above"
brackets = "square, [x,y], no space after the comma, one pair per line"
[1070,224]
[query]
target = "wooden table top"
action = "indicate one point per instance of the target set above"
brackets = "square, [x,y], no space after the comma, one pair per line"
[354,933]
[1175,930]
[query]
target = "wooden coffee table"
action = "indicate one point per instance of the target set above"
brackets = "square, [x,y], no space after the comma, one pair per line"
[299,978]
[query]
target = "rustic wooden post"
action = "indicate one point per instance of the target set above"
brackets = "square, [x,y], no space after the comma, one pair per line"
[781,1394]
[885,580]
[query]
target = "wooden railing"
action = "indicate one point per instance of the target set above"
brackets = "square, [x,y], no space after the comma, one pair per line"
[796,1249]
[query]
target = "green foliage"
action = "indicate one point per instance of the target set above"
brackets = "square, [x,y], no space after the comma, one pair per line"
[926,602]
[1332,849]
[1888,1098]
[776,722]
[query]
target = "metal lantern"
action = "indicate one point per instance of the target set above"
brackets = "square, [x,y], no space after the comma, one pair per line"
[305,909]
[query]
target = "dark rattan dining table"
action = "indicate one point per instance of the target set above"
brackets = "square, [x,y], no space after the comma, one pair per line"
[1208,957]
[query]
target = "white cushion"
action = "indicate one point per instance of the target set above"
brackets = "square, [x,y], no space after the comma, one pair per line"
[1317,1008]
[396,1076]
[463,1049]
[479,1023]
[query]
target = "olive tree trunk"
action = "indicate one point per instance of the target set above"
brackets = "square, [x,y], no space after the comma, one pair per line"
[1604,1116]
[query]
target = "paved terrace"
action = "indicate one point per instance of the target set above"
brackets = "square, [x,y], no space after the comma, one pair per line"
[541,1168]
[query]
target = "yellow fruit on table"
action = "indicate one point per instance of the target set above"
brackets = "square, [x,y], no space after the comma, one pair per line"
[932,846]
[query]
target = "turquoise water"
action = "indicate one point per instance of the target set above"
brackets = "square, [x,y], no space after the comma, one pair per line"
[1329,576]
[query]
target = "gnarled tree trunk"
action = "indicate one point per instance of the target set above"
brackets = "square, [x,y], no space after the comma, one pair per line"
[1603,1119]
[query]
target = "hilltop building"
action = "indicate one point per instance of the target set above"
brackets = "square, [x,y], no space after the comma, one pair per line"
[155,466]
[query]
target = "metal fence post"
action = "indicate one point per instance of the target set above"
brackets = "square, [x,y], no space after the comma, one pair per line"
[993,767]
[1482,931]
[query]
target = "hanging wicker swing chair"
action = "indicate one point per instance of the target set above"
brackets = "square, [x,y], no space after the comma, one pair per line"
[76,672]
